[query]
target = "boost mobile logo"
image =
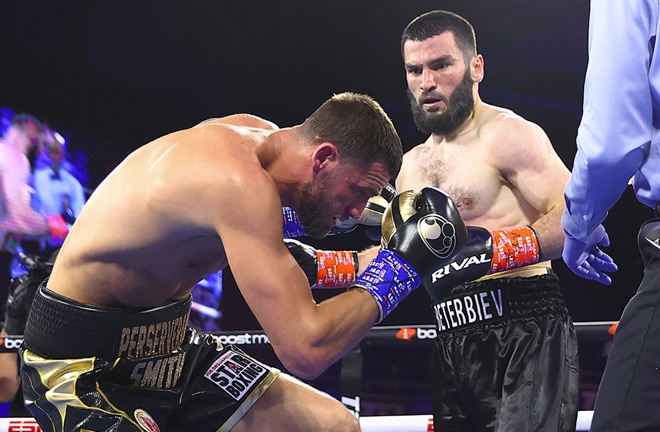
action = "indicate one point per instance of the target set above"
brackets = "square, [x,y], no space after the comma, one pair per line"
[242,339]
[438,234]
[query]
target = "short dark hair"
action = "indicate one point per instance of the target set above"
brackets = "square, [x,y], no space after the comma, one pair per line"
[360,129]
[436,22]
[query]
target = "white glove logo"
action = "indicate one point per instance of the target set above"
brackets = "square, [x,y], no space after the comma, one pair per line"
[438,234]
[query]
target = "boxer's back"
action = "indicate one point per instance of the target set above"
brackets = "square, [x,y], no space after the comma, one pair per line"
[145,235]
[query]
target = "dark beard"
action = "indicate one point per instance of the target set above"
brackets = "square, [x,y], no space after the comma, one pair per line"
[315,207]
[459,108]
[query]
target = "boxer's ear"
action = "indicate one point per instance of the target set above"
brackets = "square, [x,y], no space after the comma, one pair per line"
[477,68]
[324,155]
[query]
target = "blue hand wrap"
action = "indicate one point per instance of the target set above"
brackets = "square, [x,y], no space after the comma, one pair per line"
[292,225]
[389,279]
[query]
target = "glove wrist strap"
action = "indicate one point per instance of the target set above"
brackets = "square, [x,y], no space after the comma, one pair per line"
[291,223]
[389,279]
[336,269]
[513,248]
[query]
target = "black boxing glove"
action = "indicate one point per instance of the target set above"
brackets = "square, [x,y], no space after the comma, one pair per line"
[486,252]
[325,269]
[21,293]
[421,230]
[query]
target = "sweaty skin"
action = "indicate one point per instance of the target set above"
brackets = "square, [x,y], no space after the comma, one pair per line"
[192,202]
[500,169]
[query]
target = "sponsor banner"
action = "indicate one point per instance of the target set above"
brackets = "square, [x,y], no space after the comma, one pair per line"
[388,335]
[10,343]
[416,333]
[242,338]
[19,424]
[236,374]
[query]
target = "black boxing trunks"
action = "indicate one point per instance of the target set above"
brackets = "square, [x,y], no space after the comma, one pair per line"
[630,387]
[89,368]
[505,358]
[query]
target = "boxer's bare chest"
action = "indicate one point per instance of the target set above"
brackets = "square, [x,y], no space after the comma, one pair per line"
[461,171]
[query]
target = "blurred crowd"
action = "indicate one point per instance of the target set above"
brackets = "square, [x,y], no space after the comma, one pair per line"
[42,191]
[43,188]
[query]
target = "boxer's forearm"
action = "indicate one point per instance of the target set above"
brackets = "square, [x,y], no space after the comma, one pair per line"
[335,326]
[9,378]
[550,234]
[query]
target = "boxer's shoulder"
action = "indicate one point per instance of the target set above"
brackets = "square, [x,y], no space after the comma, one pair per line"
[241,120]
[498,125]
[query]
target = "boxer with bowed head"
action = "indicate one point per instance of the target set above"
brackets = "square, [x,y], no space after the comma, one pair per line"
[506,355]
[113,313]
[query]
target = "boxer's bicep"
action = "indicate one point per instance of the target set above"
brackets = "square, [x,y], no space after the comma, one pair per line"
[269,278]
[532,166]
[523,154]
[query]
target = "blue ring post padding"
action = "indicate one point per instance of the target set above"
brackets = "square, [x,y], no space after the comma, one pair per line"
[389,279]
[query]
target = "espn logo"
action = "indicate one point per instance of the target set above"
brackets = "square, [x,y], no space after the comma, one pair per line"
[23,425]
[10,343]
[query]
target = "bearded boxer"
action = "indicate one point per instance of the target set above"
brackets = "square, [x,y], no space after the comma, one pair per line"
[337,268]
[106,344]
[506,354]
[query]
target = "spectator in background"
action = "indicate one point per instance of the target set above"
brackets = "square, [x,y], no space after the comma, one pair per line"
[59,196]
[17,217]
